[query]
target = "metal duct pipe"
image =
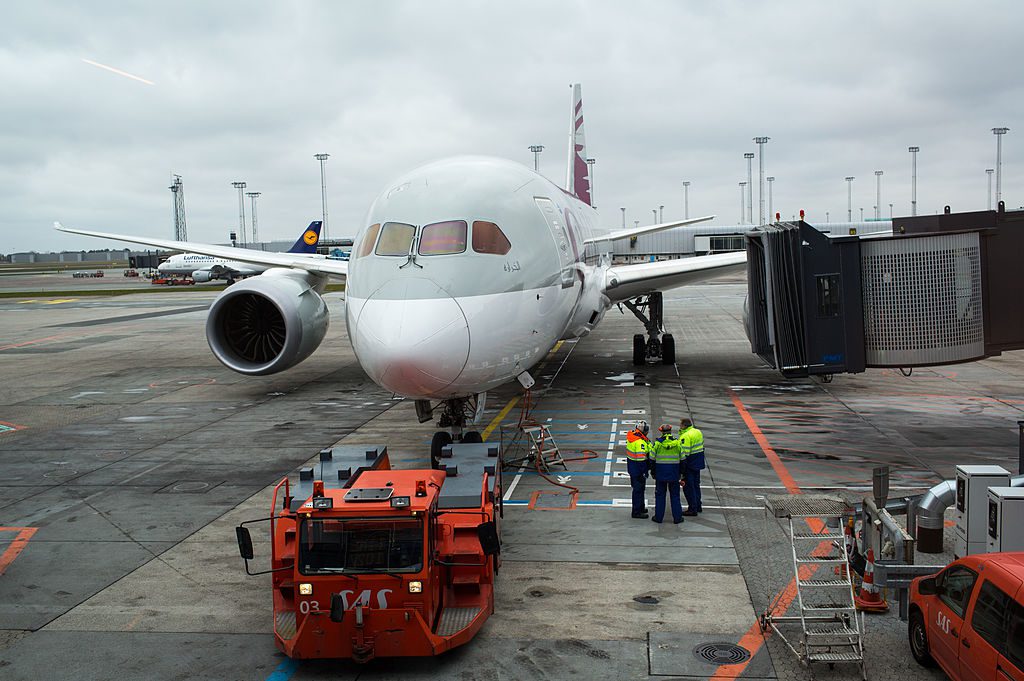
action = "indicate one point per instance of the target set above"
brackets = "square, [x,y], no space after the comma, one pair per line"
[931,510]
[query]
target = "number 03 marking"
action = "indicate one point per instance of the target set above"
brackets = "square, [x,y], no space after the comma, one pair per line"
[306,606]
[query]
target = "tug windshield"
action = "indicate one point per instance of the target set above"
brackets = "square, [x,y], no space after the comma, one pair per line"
[360,545]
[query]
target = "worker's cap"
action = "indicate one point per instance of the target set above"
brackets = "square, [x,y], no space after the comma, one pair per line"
[665,428]
[643,427]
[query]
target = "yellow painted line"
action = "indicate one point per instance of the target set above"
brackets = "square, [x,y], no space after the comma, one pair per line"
[497,419]
[508,407]
[22,302]
[59,301]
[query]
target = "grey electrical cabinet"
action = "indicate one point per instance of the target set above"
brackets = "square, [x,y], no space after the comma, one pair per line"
[971,509]
[1005,519]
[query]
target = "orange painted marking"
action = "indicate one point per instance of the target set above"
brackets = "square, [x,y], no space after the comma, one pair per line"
[10,427]
[780,468]
[17,546]
[754,639]
[31,342]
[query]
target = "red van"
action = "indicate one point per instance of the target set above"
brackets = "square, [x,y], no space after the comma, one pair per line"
[969,618]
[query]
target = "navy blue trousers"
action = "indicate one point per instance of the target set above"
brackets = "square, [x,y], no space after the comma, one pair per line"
[691,476]
[672,488]
[638,481]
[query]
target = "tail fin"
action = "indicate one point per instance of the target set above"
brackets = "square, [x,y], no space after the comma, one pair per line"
[309,239]
[577,180]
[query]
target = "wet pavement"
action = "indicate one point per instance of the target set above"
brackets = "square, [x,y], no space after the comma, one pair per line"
[129,454]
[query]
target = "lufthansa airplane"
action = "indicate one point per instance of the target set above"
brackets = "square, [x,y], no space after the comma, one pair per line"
[467,273]
[203,268]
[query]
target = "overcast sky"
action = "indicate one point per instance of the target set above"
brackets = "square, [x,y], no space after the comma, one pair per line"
[672,91]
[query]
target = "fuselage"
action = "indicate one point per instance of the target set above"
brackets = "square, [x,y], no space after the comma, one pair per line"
[467,273]
[187,263]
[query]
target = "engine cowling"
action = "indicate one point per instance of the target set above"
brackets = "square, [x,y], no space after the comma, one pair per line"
[202,276]
[269,323]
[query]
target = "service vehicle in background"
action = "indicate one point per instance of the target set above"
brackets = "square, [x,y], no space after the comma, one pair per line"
[969,618]
[368,561]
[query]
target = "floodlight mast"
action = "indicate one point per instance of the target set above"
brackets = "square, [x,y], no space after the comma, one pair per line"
[771,209]
[913,179]
[761,141]
[536,149]
[999,132]
[849,198]
[989,171]
[878,194]
[750,184]
[255,230]
[590,164]
[686,200]
[323,193]
[240,186]
[743,201]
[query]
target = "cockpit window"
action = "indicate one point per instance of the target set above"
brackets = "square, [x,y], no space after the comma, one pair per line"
[488,238]
[395,239]
[369,239]
[443,238]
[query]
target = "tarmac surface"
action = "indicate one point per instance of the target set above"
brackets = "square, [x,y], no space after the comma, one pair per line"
[129,454]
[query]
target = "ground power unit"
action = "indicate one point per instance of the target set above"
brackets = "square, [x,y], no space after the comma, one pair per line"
[1005,519]
[971,508]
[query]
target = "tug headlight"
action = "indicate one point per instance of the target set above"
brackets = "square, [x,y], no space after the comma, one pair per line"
[415,587]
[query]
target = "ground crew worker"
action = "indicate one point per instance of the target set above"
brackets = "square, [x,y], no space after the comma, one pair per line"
[692,441]
[638,448]
[667,471]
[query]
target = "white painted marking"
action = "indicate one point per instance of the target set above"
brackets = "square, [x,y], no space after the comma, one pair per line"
[564,479]
[620,474]
[582,426]
[634,411]
[87,393]
[515,481]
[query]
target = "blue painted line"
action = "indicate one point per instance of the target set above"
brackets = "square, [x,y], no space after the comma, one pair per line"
[284,670]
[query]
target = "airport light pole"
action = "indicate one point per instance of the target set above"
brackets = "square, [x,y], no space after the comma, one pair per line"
[323,192]
[623,217]
[255,230]
[771,209]
[913,179]
[655,218]
[989,171]
[178,196]
[862,215]
[750,184]
[761,141]
[590,164]
[661,214]
[240,186]
[686,200]
[999,132]
[536,149]
[890,211]
[849,199]
[878,194]
[827,218]
[743,201]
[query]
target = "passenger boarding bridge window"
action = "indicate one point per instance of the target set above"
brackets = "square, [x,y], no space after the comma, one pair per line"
[488,238]
[828,295]
[395,239]
[443,238]
[369,239]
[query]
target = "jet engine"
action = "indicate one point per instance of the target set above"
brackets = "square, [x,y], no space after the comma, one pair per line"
[202,276]
[269,323]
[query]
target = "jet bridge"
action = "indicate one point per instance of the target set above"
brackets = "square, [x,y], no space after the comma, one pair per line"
[938,289]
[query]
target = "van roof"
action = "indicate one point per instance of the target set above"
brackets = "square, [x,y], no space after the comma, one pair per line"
[1011,562]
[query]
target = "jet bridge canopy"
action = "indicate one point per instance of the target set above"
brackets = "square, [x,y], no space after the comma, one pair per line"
[939,289]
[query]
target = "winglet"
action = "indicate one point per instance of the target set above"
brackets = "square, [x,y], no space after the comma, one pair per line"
[577,180]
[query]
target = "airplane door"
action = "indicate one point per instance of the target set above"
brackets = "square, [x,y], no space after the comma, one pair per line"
[560,233]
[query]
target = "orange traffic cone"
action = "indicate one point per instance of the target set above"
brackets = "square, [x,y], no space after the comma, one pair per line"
[869,599]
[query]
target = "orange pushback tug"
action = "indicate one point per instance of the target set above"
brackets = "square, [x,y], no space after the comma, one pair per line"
[368,561]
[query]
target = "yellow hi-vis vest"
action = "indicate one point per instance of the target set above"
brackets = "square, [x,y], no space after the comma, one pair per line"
[692,441]
[668,450]
[637,449]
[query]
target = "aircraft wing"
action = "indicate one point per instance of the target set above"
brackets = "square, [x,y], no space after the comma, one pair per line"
[301,261]
[647,229]
[629,281]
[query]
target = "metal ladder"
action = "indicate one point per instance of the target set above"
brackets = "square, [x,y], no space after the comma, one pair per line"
[830,630]
[543,449]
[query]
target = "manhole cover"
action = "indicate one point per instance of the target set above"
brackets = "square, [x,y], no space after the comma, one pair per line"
[646,600]
[721,653]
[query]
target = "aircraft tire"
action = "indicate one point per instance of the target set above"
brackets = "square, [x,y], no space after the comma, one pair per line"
[471,438]
[639,350]
[442,439]
[668,349]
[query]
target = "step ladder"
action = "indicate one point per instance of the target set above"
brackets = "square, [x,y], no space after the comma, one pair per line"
[830,631]
[543,449]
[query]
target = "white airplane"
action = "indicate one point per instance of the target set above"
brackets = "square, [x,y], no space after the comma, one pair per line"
[467,274]
[203,268]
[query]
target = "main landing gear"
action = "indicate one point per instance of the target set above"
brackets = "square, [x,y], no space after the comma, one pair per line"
[658,347]
[455,415]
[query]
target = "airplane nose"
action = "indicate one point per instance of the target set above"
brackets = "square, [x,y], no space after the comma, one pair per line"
[412,338]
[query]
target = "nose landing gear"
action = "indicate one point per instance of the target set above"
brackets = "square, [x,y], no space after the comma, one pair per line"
[658,346]
[455,415]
